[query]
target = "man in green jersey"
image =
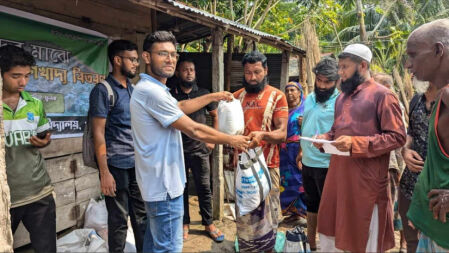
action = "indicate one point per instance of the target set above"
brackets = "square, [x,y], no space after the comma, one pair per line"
[26,130]
[428,51]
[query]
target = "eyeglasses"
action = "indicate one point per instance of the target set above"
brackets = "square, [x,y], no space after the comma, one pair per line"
[132,59]
[166,54]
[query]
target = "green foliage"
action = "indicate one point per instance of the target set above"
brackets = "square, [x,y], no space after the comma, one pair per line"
[388,23]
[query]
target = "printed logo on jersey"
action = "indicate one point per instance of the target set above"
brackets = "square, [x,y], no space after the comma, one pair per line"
[30,117]
[19,137]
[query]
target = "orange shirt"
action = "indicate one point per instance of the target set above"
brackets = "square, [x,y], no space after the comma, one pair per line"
[259,110]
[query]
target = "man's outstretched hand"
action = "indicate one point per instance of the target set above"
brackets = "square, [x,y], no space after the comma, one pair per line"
[222,96]
[240,142]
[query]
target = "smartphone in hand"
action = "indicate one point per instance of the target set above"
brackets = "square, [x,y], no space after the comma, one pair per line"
[43,134]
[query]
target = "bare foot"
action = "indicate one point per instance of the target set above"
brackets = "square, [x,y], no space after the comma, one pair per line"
[185,233]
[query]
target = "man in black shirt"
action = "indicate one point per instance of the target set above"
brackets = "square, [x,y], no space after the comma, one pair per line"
[196,153]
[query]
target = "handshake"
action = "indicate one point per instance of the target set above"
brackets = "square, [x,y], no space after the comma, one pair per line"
[231,122]
[251,141]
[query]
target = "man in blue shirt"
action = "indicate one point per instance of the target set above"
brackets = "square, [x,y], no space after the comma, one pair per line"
[318,119]
[157,122]
[114,149]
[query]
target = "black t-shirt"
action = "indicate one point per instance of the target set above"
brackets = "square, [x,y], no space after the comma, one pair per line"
[191,145]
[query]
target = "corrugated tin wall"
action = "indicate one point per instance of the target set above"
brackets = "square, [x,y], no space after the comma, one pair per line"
[203,65]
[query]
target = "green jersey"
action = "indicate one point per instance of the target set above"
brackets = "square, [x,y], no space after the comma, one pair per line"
[28,179]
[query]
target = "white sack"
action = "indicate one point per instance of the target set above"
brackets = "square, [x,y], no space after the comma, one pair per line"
[96,217]
[81,240]
[230,117]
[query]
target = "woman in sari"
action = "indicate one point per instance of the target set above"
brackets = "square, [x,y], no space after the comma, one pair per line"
[292,191]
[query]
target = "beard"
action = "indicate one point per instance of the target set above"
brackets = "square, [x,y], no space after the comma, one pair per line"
[322,95]
[255,88]
[420,86]
[127,73]
[187,84]
[160,72]
[349,86]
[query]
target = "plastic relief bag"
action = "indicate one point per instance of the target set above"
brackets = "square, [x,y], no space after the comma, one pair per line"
[230,117]
[81,240]
[296,241]
[96,217]
[253,181]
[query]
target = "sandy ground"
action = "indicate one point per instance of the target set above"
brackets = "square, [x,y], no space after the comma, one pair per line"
[199,241]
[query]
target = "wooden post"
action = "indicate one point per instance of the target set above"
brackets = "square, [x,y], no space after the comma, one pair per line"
[5,220]
[153,21]
[284,69]
[228,71]
[303,73]
[217,162]
[140,38]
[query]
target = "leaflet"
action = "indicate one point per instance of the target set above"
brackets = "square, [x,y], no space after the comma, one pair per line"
[327,146]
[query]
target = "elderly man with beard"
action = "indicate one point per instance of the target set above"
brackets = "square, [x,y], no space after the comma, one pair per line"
[355,212]
[114,149]
[318,119]
[157,122]
[266,112]
[196,153]
[428,60]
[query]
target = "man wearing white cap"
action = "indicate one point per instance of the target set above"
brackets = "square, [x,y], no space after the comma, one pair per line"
[355,213]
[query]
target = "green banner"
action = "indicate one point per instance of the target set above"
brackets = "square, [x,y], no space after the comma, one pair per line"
[69,64]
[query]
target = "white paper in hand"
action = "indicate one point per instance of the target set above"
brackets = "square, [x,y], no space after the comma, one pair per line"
[315,140]
[331,149]
[327,146]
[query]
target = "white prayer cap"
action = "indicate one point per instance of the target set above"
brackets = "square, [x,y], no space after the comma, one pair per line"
[359,50]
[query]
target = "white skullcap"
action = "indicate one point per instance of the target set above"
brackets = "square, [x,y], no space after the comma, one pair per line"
[359,50]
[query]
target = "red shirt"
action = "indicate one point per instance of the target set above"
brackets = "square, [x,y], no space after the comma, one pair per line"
[259,110]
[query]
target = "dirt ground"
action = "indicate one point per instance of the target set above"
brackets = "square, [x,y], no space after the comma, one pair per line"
[199,241]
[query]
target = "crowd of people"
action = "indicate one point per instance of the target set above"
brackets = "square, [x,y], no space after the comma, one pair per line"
[147,136]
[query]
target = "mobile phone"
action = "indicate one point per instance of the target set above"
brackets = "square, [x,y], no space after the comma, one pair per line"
[43,134]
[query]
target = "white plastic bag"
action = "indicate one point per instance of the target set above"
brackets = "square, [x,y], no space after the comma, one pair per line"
[96,217]
[296,241]
[81,240]
[130,245]
[253,181]
[230,117]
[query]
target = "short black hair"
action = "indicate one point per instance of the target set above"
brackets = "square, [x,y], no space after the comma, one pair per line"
[158,36]
[11,56]
[327,67]
[352,57]
[181,61]
[118,46]
[253,57]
